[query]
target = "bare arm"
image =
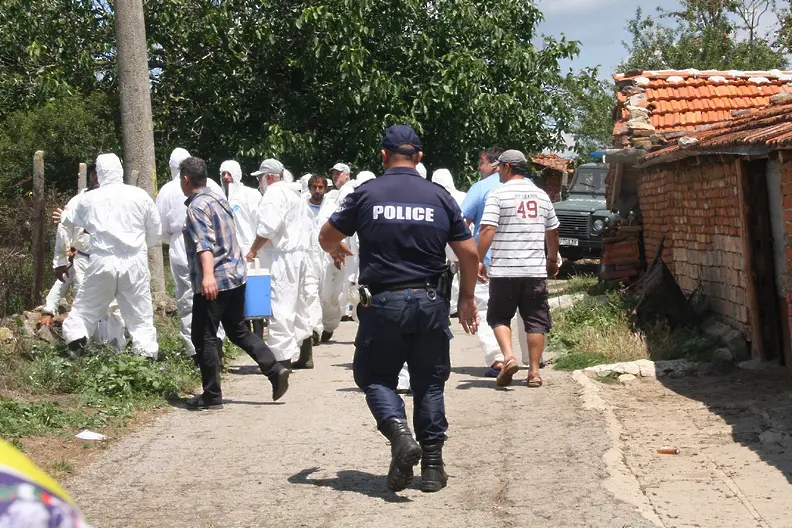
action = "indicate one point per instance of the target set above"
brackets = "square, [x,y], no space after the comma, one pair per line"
[486,235]
[552,252]
[256,247]
[465,252]
[332,241]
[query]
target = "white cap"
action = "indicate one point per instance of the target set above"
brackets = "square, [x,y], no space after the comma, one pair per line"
[269,166]
[341,167]
[421,170]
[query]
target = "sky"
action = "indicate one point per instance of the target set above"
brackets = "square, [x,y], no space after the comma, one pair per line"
[598,24]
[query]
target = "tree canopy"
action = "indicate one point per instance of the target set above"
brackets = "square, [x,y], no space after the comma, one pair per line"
[707,35]
[309,82]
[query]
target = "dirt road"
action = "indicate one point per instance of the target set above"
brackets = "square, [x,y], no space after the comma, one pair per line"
[518,457]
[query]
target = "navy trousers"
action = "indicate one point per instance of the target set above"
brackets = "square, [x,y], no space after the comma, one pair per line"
[405,326]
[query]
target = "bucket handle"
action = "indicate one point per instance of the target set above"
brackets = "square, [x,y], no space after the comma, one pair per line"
[255,265]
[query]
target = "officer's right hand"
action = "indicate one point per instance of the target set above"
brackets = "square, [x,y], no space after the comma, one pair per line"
[483,275]
[468,314]
[61,273]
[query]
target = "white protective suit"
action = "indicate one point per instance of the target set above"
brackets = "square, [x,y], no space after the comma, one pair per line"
[443,178]
[316,262]
[304,184]
[173,213]
[421,170]
[244,202]
[110,328]
[281,219]
[124,223]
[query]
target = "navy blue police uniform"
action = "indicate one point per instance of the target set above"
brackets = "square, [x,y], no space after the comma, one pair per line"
[403,224]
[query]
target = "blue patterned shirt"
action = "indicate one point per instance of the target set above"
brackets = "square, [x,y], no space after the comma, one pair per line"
[210,227]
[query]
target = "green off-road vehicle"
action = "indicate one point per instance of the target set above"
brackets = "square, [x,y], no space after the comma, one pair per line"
[582,213]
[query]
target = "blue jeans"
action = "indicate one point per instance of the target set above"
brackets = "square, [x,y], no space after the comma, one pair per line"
[405,326]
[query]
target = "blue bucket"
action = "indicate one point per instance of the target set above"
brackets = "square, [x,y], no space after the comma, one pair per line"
[258,296]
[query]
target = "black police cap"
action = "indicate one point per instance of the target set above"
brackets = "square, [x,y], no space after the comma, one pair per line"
[398,135]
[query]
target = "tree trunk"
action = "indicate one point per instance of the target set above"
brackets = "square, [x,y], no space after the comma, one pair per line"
[39,243]
[136,124]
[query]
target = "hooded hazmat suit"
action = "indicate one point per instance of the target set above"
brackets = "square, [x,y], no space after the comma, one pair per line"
[281,220]
[244,203]
[316,260]
[110,329]
[124,223]
[421,170]
[173,213]
[443,178]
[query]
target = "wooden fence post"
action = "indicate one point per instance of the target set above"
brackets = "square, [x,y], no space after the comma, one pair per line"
[82,177]
[39,244]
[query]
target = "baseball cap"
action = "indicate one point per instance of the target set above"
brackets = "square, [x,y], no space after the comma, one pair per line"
[341,167]
[269,166]
[512,157]
[398,135]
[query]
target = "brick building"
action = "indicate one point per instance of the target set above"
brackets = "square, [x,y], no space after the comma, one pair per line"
[719,191]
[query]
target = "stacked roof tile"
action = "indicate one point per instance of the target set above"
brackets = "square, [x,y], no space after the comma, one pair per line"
[663,102]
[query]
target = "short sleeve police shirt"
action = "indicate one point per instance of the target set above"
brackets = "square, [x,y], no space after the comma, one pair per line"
[403,223]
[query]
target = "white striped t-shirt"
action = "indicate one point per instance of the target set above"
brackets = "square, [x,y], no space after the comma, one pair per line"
[521,212]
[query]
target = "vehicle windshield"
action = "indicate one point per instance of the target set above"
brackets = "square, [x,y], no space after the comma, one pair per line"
[589,181]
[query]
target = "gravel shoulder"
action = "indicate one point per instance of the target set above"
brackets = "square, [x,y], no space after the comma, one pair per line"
[516,457]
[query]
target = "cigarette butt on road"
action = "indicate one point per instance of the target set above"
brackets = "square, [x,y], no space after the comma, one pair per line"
[668,451]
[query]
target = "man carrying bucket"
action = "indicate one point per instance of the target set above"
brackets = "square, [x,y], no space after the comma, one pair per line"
[218,274]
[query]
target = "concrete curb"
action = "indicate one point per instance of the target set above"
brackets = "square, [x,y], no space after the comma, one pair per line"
[621,482]
[646,368]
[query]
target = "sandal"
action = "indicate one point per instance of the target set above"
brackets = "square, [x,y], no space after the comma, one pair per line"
[534,381]
[507,373]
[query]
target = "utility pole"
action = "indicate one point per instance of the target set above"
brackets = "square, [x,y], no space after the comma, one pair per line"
[137,128]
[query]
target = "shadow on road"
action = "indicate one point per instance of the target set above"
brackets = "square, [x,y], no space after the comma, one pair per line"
[245,370]
[345,366]
[477,372]
[351,480]
[757,405]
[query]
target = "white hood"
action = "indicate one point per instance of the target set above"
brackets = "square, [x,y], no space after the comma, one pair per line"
[304,183]
[364,176]
[177,156]
[443,177]
[233,168]
[109,169]
[421,170]
[287,176]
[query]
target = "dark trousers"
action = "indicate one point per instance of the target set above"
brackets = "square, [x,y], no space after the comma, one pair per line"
[229,309]
[405,326]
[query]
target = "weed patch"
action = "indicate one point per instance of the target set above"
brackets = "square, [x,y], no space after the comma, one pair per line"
[600,330]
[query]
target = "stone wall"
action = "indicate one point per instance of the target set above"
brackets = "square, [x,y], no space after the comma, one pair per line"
[697,208]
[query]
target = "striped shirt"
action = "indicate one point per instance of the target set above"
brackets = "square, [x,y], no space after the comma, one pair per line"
[210,227]
[521,212]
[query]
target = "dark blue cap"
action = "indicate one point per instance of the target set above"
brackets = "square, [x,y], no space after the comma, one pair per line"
[399,135]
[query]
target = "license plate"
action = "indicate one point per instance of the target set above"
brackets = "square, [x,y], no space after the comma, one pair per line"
[568,241]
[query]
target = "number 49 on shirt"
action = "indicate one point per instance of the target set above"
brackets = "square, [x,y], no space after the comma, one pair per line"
[527,209]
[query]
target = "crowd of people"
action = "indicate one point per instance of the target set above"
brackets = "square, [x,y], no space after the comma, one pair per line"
[392,252]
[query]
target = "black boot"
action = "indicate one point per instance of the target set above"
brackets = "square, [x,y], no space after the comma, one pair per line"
[306,356]
[315,339]
[405,453]
[287,364]
[77,347]
[326,336]
[280,383]
[432,468]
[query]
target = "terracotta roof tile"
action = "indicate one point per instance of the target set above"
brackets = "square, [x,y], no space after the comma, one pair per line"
[770,126]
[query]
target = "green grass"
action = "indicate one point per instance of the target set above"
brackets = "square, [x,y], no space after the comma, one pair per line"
[610,379]
[578,361]
[62,466]
[55,394]
[576,284]
[599,330]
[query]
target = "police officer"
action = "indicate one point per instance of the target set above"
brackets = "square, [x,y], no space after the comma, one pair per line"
[403,223]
